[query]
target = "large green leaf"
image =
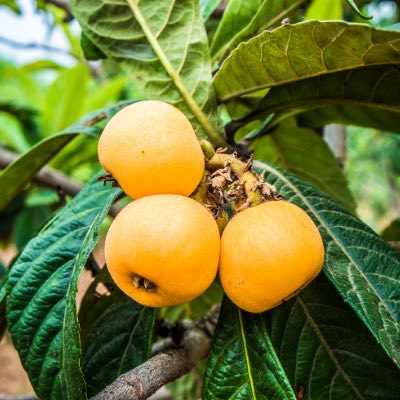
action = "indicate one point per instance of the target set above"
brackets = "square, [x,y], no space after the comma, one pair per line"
[13,119]
[243,19]
[305,50]
[119,339]
[207,7]
[42,286]
[242,363]
[164,49]
[323,10]
[196,308]
[326,351]
[364,268]
[363,96]
[60,111]
[18,174]
[305,153]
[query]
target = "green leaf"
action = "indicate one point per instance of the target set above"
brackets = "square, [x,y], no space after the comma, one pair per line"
[42,286]
[326,351]
[236,16]
[12,5]
[3,271]
[90,50]
[242,363]
[119,340]
[41,65]
[164,50]
[363,96]
[244,19]
[196,308]
[105,94]
[305,153]
[18,174]
[364,268]
[305,50]
[11,127]
[65,99]
[28,223]
[324,10]
[354,7]
[189,386]
[207,7]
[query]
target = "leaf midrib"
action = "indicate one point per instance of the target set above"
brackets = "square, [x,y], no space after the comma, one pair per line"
[318,102]
[127,348]
[252,89]
[246,354]
[175,77]
[326,346]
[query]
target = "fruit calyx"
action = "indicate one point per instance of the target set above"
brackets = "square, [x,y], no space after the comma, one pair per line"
[231,183]
[108,178]
[142,283]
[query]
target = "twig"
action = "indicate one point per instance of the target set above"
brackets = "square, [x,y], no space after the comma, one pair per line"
[92,266]
[51,178]
[95,71]
[167,366]
[36,46]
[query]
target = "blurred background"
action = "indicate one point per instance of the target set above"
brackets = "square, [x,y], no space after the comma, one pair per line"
[46,85]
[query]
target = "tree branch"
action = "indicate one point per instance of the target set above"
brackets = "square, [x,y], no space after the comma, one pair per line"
[36,46]
[95,71]
[51,178]
[167,366]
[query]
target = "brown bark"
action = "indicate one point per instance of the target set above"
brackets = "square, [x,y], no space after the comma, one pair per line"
[50,178]
[167,366]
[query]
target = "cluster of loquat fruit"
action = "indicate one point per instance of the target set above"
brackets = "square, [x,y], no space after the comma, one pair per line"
[165,248]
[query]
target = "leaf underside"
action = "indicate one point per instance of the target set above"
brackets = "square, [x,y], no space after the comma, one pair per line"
[137,43]
[305,50]
[364,96]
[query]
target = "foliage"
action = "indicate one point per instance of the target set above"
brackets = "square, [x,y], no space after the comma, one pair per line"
[277,82]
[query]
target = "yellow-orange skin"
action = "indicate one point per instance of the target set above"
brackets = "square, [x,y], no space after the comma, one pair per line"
[170,240]
[150,148]
[268,252]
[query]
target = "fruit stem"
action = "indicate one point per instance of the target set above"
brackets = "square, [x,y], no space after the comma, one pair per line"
[207,148]
[256,191]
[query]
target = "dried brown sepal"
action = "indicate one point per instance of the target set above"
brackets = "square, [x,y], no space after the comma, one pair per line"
[108,178]
[142,283]
[234,181]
